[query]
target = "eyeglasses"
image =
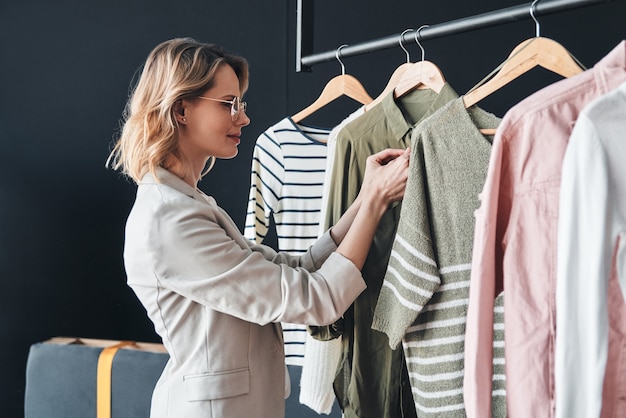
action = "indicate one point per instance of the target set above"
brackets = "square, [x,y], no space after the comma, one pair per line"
[236,105]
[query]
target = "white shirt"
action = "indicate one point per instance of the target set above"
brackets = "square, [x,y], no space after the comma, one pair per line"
[592,217]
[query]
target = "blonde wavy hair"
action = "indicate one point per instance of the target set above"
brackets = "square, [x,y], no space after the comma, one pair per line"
[177,69]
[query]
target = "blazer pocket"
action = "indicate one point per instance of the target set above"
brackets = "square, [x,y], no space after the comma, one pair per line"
[210,386]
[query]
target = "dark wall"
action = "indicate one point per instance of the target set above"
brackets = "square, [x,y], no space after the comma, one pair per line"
[588,33]
[65,71]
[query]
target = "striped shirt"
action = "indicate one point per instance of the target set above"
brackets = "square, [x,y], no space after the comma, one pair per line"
[286,183]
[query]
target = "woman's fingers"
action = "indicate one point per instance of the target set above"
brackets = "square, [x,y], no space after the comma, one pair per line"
[386,175]
[386,155]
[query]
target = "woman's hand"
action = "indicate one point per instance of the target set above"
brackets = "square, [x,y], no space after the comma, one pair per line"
[386,174]
[384,182]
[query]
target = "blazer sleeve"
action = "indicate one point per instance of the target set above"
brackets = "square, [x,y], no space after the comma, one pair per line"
[197,251]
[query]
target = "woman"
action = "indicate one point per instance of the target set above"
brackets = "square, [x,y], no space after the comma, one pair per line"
[216,299]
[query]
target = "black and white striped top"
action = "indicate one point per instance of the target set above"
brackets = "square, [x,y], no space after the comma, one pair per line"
[286,184]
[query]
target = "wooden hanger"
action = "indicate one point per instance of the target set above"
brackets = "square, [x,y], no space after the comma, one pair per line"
[537,51]
[338,86]
[533,52]
[423,74]
[395,76]
[391,85]
[341,85]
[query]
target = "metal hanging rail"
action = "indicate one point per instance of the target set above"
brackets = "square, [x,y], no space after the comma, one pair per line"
[305,59]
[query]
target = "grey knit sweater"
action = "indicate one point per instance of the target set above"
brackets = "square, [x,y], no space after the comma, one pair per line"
[423,301]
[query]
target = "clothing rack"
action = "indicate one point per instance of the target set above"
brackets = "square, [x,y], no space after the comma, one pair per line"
[305,59]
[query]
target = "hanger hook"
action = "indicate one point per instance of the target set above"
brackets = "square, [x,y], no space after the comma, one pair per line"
[532,14]
[343,67]
[417,34]
[408,57]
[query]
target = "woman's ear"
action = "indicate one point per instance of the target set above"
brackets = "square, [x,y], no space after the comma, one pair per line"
[179,112]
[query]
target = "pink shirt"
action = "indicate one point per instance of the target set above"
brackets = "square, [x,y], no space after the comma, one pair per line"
[515,243]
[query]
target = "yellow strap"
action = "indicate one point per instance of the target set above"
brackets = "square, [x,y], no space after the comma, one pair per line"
[103,388]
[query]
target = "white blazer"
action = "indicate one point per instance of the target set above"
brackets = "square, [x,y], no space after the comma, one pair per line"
[217,300]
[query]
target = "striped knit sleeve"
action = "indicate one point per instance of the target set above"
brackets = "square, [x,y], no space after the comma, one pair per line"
[498,389]
[412,273]
[266,181]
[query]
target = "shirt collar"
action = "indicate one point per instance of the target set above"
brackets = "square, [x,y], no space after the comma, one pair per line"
[171,180]
[415,106]
[612,63]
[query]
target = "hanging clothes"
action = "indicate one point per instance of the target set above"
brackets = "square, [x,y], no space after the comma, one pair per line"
[423,301]
[372,380]
[322,357]
[287,175]
[515,242]
[331,147]
[592,217]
